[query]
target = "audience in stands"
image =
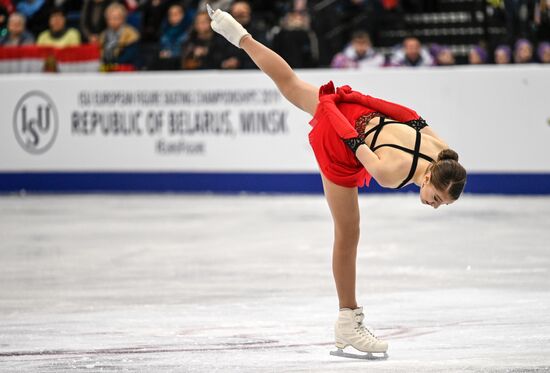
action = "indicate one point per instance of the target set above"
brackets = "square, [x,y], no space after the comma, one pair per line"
[174,33]
[477,55]
[204,48]
[92,19]
[119,41]
[17,35]
[306,33]
[58,35]
[523,51]
[296,42]
[411,54]
[358,54]
[503,55]
[543,52]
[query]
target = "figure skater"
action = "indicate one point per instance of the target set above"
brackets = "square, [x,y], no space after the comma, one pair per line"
[356,137]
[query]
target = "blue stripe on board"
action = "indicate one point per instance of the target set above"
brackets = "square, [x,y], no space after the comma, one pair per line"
[63,182]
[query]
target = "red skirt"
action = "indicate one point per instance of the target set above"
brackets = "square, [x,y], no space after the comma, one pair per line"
[336,161]
[334,120]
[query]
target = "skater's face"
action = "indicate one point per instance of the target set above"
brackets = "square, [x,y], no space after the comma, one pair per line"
[431,196]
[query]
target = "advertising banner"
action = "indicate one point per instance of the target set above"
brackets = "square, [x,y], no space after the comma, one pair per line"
[497,119]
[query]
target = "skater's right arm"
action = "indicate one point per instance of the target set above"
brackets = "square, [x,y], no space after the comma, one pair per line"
[301,94]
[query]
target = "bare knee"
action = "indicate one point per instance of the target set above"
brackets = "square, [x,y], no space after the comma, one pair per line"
[346,237]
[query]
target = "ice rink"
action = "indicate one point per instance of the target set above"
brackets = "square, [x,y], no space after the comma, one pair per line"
[184,283]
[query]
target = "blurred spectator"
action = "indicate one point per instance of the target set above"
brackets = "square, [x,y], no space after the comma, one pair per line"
[36,13]
[235,58]
[543,52]
[119,41]
[523,51]
[503,55]
[215,4]
[92,19]
[444,56]
[242,12]
[174,33]
[477,55]
[58,35]
[154,12]
[412,54]
[17,34]
[203,49]
[296,42]
[358,54]
[542,19]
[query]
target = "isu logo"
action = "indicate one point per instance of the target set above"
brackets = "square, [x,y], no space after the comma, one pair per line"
[35,122]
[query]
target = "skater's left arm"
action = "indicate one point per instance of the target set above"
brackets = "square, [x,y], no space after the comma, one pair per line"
[379,170]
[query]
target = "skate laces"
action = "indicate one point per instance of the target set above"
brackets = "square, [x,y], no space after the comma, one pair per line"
[363,329]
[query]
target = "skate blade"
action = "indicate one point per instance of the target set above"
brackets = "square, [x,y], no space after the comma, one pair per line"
[210,10]
[362,356]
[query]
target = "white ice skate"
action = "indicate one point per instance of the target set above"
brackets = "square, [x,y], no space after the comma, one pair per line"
[225,25]
[350,331]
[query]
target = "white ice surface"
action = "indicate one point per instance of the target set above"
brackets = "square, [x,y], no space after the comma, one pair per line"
[175,283]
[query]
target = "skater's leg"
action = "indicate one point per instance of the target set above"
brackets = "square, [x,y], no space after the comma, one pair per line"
[344,207]
[297,91]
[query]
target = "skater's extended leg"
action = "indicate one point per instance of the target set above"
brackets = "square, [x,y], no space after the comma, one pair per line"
[344,207]
[297,91]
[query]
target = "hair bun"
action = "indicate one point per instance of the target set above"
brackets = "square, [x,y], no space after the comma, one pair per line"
[447,154]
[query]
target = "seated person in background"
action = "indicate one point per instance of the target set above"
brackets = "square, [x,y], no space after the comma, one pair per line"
[174,32]
[236,58]
[203,49]
[17,35]
[411,54]
[443,55]
[477,55]
[503,55]
[154,12]
[523,51]
[543,52]
[119,41]
[358,54]
[58,35]
[92,19]
[296,42]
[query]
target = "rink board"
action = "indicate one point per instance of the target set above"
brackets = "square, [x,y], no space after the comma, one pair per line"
[232,131]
